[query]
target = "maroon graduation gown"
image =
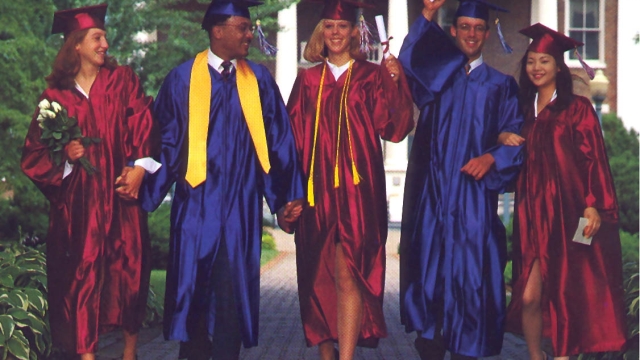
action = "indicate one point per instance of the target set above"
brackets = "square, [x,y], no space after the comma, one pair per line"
[566,170]
[354,215]
[97,244]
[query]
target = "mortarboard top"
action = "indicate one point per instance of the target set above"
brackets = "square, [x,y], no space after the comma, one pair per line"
[342,9]
[548,41]
[67,21]
[230,8]
[478,9]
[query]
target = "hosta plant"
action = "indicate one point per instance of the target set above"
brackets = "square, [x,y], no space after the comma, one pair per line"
[24,331]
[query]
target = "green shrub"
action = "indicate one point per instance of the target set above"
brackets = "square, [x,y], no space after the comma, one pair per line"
[159,232]
[268,242]
[24,326]
[629,243]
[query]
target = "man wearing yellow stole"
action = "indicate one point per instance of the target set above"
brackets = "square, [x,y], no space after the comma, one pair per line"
[226,143]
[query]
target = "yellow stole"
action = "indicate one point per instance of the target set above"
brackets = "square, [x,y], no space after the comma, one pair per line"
[199,111]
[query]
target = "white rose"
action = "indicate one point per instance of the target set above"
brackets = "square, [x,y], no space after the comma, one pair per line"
[41,125]
[44,104]
[40,117]
[56,107]
[48,114]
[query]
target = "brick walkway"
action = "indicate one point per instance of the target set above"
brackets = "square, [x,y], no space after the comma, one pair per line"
[281,335]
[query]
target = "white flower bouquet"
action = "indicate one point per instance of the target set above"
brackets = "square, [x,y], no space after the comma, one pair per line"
[58,129]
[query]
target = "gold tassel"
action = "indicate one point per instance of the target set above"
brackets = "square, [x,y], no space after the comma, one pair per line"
[356,176]
[336,177]
[310,198]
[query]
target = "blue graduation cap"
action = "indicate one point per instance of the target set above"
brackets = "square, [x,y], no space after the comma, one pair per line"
[230,8]
[479,9]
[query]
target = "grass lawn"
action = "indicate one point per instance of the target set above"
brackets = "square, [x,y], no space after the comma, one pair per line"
[158,276]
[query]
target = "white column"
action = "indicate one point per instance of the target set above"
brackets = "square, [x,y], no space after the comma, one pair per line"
[287,56]
[397,26]
[545,12]
[628,55]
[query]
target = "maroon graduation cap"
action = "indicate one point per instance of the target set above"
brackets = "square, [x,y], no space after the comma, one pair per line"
[67,21]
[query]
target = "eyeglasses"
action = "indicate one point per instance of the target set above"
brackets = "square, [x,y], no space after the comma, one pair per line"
[243,28]
[466,28]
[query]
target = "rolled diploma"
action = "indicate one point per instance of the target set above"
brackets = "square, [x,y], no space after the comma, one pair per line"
[382,32]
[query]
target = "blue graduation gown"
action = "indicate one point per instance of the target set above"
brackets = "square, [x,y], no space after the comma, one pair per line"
[453,244]
[228,205]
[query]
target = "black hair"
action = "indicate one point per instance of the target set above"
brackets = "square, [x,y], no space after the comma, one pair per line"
[213,20]
[564,86]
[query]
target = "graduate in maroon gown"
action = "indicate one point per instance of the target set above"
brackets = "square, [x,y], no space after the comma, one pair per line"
[97,244]
[564,290]
[340,109]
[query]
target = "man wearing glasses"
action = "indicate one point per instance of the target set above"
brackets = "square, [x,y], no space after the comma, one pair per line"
[226,143]
[453,244]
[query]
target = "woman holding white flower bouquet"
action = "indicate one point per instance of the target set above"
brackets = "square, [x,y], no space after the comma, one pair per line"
[94,113]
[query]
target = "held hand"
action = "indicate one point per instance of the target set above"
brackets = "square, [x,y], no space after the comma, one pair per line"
[393,66]
[430,8]
[479,167]
[510,139]
[593,225]
[288,215]
[74,150]
[128,183]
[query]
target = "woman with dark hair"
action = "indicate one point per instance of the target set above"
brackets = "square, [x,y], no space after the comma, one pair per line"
[340,110]
[97,245]
[567,277]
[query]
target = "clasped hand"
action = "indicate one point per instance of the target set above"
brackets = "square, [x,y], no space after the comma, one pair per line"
[128,183]
[288,215]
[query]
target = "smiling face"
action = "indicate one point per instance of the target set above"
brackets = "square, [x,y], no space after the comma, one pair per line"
[337,36]
[93,48]
[542,69]
[231,39]
[470,34]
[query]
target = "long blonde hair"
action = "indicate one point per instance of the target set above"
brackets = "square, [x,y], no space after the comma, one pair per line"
[315,51]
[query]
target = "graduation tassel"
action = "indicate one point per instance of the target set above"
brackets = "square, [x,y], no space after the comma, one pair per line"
[507,49]
[586,67]
[264,45]
[336,177]
[366,38]
[356,176]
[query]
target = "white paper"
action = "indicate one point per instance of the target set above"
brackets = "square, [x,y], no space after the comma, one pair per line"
[578,236]
[382,32]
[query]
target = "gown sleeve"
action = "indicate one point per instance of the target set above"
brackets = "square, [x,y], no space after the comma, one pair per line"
[393,106]
[38,164]
[172,127]
[284,181]
[508,159]
[429,59]
[592,158]
[142,139]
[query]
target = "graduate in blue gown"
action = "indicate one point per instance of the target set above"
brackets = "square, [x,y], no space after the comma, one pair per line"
[453,244]
[223,156]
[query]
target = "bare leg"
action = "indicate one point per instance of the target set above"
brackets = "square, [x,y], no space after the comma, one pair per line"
[326,350]
[130,341]
[532,312]
[349,307]
[88,356]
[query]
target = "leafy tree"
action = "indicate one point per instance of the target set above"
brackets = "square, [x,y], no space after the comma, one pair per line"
[622,149]
[26,56]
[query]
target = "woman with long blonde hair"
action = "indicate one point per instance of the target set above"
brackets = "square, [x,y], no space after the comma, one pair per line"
[340,109]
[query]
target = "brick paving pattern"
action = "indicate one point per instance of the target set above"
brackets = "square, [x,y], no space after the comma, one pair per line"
[281,336]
